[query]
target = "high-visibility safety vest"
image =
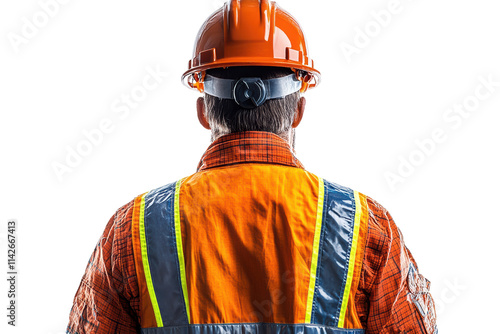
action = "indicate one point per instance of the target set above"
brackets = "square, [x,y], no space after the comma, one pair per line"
[249,248]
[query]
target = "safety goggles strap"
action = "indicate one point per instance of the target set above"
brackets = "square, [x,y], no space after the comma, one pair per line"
[251,92]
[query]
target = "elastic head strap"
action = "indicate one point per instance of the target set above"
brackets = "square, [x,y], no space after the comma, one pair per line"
[251,92]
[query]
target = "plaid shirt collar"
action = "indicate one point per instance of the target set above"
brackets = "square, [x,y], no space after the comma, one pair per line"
[249,146]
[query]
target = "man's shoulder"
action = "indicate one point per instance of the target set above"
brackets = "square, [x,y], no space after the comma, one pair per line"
[156,194]
[122,217]
[163,192]
[371,204]
[380,221]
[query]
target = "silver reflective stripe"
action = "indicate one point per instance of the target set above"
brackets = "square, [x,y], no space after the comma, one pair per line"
[251,328]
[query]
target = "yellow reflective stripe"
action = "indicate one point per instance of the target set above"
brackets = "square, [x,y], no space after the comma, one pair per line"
[178,241]
[352,260]
[145,262]
[315,251]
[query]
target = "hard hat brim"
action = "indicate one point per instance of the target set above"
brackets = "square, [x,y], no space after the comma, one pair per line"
[228,62]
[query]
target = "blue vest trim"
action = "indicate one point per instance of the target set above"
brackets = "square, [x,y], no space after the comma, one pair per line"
[162,254]
[335,248]
[251,328]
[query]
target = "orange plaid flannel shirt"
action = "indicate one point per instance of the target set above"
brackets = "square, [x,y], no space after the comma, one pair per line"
[392,297]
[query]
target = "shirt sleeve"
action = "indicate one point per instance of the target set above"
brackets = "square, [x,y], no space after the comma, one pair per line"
[392,297]
[107,299]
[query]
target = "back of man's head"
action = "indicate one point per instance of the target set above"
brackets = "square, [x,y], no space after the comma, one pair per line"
[275,115]
[250,58]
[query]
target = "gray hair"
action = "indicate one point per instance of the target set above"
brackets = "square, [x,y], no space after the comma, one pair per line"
[226,116]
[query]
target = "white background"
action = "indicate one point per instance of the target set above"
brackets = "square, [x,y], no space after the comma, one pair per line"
[366,115]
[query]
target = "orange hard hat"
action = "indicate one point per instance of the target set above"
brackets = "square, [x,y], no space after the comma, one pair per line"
[251,33]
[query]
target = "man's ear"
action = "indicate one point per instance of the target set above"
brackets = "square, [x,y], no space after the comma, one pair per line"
[200,108]
[299,112]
